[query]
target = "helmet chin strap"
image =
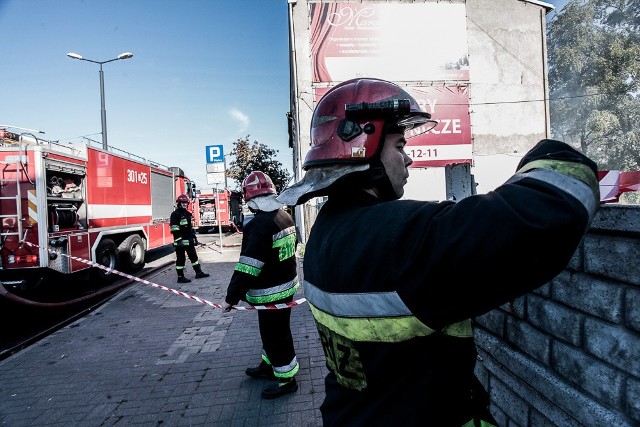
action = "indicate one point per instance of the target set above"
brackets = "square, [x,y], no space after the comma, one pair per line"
[379,181]
[374,179]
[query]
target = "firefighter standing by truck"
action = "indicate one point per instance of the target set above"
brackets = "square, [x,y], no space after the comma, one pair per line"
[184,240]
[393,284]
[266,273]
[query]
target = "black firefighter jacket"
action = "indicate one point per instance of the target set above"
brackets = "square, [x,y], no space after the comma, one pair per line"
[393,285]
[266,271]
[181,228]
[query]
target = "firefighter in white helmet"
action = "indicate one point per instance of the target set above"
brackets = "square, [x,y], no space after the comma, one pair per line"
[266,273]
[184,239]
[392,284]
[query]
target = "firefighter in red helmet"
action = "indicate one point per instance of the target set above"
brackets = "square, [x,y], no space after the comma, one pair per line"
[266,273]
[393,284]
[184,239]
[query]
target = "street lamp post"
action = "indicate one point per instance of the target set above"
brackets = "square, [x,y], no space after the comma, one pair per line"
[103,111]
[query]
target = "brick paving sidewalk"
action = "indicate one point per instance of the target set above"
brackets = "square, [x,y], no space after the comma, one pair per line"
[150,357]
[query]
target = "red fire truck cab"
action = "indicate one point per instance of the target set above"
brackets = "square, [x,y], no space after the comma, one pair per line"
[63,205]
[214,211]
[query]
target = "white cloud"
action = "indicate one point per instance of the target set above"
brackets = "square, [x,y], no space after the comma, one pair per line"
[242,118]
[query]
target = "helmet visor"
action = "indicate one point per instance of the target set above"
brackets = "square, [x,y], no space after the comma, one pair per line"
[417,120]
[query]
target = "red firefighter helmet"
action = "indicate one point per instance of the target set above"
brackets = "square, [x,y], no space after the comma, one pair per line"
[352,118]
[182,199]
[257,183]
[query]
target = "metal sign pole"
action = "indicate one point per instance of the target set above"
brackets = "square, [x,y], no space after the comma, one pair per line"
[216,162]
[218,218]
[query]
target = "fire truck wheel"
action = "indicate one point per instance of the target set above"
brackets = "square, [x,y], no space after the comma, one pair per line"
[106,255]
[132,253]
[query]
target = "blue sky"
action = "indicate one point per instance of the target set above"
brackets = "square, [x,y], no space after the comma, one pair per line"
[203,72]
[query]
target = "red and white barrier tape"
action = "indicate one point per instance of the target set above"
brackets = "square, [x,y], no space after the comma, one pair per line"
[614,183]
[177,292]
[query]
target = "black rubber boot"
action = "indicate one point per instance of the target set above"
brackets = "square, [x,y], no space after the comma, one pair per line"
[261,372]
[182,279]
[280,388]
[199,273]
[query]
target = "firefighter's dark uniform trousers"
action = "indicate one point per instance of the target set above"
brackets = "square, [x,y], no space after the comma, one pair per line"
[393,286]
[182,251]
[266,274]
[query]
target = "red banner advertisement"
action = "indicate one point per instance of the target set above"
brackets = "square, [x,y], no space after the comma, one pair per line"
[450,141]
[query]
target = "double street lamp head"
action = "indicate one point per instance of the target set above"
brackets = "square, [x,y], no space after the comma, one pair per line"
[125,55]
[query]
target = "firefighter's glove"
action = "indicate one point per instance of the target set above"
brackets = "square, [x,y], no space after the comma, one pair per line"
[561,157]
[550,149]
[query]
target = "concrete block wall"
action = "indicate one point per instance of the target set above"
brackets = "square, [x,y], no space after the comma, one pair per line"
[568,354]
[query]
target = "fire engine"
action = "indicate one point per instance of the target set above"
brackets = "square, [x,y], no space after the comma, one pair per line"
[59,201]
[217,209]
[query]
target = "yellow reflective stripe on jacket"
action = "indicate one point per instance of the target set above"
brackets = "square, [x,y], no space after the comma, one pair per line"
[285,240]
[461,329]
[249,265]
[394,329]
[481,423]
[274,293]
[588,196]
[372,316]
[576,170]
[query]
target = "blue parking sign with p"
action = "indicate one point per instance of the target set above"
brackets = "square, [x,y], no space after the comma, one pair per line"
[215,154]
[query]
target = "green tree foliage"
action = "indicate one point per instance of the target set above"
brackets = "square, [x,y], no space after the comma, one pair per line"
[255,156]
[594,70]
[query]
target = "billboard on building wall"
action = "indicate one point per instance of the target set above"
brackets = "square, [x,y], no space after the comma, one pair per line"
[391,41]
[402,42]
[450,141]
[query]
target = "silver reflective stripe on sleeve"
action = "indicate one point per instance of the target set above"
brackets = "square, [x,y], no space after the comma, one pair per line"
[370,304]
[251,261]
[370,317]
[578,189]
[283,233]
